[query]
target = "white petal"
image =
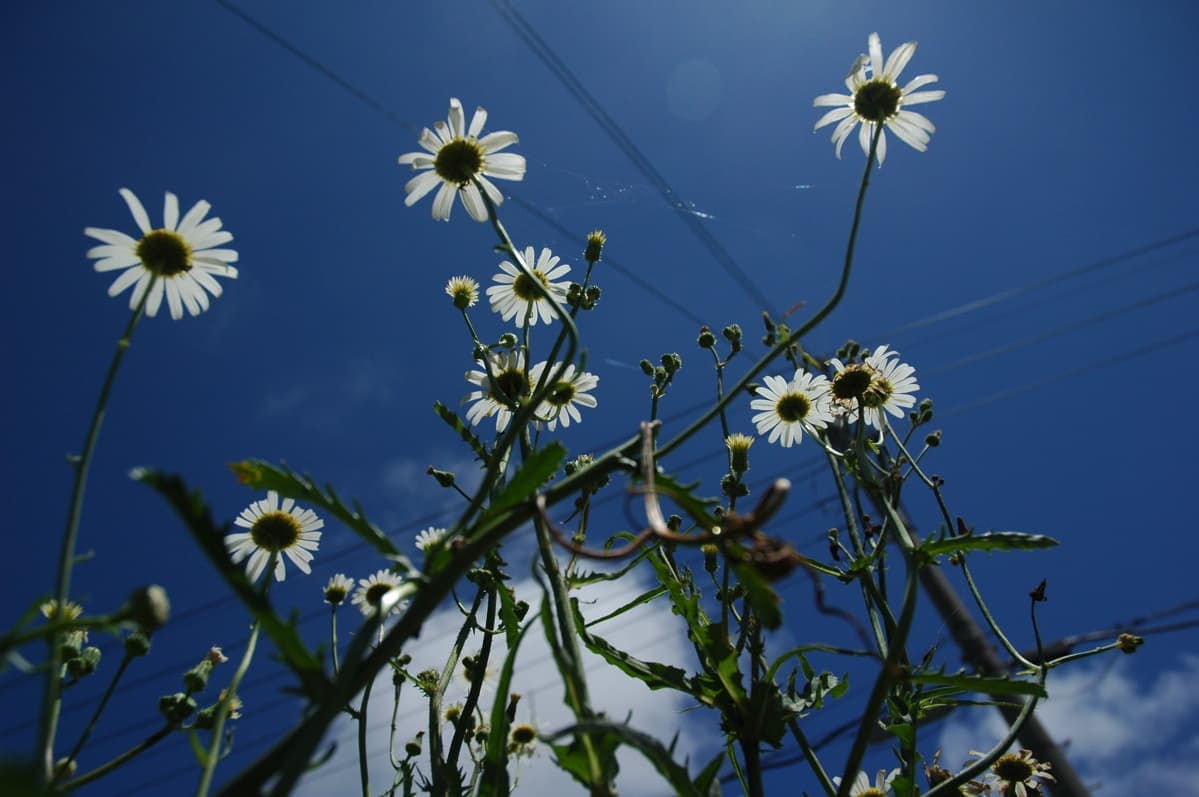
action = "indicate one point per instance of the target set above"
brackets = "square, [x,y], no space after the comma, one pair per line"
[506,166]
[124,280]
[472,200]
[457,119]
[139,212]
[492,191]
[170,211]
[209,240]
[899,59]
[114,237]
[155,298]
[171,288]
[832,99]
[194,216]
[919,81]
[494,142]
[443,203]
[476,122]
[919,120]
[922,96]
[835,115]
[420,185]
[876,55]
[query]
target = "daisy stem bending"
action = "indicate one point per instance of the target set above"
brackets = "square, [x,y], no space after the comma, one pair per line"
[225,704]
[52,696]
[476,680]
[444,768]
[784,345]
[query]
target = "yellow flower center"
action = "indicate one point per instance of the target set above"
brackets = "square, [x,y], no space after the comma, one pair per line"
[275,531]
[164,253]
[458,161]
[508,386]
[1012,768]
[877,393]
[877,101]
[561,394]
[375,593]
[524,288]
[852,382]
[793,407]
[871,792]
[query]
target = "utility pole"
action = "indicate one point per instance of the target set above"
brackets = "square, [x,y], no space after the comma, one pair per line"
[980,654]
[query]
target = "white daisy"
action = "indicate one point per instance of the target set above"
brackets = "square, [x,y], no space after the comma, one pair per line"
[562,401]
[275,528]
[789,408]
[862,787]
[515,296]
[427,538]
[880,382]
[463,291]
[180,254]
[875,98]
[338,589]
[371,593]
[456,156]
[507,383]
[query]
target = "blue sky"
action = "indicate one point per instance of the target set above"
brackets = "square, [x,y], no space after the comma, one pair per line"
[1036,265]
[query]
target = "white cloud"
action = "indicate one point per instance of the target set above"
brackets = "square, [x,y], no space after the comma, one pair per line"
[651,632]
[1123,734]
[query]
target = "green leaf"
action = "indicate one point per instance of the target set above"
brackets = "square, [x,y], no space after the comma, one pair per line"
[265,476]
[761,596]
[534,472]
[698,508]
[451,418]
[643,598]
[657,753]
[495,782]
[989,541]
[650,673]
[198,520]
[989,685]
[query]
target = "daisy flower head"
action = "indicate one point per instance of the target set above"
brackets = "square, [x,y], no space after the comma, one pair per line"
[371,592]
[427,538]
[275,529]
[862,787]
[506,384]
[875,98]
[463,292]
[562,401]
[515,296]
[786,409]
[180,259]
[338,589]
[455,157]
[1019,774]
[880,382]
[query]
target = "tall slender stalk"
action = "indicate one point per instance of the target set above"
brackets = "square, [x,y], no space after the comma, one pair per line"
[52,695]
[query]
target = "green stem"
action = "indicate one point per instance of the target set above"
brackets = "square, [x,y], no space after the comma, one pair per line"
[809,753]
[811,324]
[91,726]
[52,696]
[123,758]
[363,769]
[226,703]
[890,671]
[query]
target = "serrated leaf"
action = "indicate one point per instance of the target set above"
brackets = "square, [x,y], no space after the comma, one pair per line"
[988,541]
[699,508]
[651,673]
[265,476]
[989,685]
[456,423]
[534,472]
[655,752]
[640,600]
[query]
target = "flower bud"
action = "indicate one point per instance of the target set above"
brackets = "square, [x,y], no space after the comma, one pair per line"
[706,339]
[444,477]
[595,246]
[149,607]
[177,707]
[137,644]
